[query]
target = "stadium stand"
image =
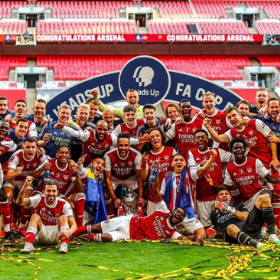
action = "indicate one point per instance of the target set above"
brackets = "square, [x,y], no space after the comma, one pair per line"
[10,62]
[167,9]
[212,9]
[124,27]
[210,67]
[168,28]
[268,27]
[272,8]
[223,28]
[269,61]
[13,27]
[85,9]
[6,7]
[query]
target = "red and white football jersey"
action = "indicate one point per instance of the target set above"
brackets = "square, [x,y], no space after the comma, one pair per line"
[18,160]
[122,168]
[155,226]
[204,192]
[184,134]
[256,131]
[63,177]
[31,131]
[163,160]
[50,213]
[93,148]
[246,177]
[220,124]
[7,145]
[133,132]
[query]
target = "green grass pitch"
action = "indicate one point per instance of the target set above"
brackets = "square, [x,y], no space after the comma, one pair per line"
[141,260]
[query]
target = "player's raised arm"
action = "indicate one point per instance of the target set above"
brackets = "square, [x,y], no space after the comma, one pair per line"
[78,182]
[144,172]
[202,169]
[22,200]
[158,196]
[215,136]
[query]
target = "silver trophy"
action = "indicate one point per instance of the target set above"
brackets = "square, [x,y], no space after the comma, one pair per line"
[129,201]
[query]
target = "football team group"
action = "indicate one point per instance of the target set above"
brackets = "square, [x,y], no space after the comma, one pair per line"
[114,174]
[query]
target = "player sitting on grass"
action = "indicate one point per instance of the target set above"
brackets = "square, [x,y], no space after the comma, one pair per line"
[237,224]
[52,219]
[159,225]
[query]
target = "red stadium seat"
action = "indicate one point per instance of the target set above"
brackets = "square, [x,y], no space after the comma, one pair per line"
[212,67]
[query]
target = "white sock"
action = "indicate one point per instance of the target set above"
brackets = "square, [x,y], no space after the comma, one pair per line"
[7,228]
[273,237]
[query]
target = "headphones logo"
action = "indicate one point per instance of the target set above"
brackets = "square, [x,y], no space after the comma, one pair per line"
[143,75]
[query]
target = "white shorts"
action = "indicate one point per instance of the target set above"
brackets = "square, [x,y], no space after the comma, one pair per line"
[118,228]
[131,182]
[204,210]
[47,235]
[151,207]
[191,225]
[16,184]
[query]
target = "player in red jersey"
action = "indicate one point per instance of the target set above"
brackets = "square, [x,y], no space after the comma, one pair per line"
[245,174]
[184,131]
[159,225]
[177,191]
[131,124]
[6,146]
[159,157]
[66,175]
[255,131]
[21,164]
[52,219]
[219,121]
[20,111]
[122,166]
[206,194]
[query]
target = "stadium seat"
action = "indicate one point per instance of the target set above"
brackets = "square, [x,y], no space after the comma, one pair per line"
[210,67]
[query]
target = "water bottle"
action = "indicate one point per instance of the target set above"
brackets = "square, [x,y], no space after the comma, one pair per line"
[47,175]
[153,176]
[123,192]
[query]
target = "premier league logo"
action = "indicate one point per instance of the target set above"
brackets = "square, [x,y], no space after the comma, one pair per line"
[148,76]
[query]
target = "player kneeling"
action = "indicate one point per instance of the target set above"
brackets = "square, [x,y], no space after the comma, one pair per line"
[52,219]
